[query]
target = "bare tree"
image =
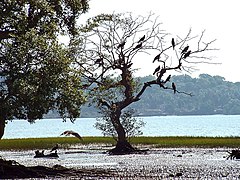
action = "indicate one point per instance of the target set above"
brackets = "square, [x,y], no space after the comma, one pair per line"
[113,43]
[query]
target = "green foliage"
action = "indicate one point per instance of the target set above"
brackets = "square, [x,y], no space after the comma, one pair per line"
[36,72]
[131,125]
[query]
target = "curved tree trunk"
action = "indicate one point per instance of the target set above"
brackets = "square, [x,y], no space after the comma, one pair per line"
[122,146]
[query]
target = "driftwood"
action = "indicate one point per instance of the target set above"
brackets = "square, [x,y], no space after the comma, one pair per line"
[234,154]
[39,154]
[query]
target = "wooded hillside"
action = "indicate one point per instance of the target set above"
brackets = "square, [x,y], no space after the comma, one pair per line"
[211,95]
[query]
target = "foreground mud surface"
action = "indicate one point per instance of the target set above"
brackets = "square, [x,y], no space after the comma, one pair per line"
[90,162]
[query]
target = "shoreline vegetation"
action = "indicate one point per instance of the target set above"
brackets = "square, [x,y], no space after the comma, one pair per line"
[156,142]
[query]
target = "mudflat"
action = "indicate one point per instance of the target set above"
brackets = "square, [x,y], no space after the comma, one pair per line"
[92,162]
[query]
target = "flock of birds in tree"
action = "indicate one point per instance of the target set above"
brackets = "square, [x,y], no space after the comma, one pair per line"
[99,61]
[158,71]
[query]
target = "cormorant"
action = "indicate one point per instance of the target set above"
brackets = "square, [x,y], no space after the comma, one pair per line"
[67,133]
[55,148]
[99,60]
[138,46]
[168,78]
[185,50]
[129,65]
[156,57]
[173,43]
[174,87]
[156,70]
[141,39]
[187,54]
[121,45]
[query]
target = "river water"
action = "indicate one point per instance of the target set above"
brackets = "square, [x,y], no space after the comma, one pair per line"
[212,125]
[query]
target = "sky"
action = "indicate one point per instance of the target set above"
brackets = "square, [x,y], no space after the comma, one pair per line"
[220,19]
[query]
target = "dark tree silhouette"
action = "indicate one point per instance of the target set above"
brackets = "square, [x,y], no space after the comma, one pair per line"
[113,86]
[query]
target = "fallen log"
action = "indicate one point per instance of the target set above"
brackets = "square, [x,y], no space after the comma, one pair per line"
[42,155]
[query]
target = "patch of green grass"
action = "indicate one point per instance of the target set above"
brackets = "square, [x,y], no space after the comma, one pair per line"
[182,141]
[186,141]
[46,143]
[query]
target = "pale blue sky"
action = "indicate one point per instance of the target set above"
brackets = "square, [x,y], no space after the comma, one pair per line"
[220,19]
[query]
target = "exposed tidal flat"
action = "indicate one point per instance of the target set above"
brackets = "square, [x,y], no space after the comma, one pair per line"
[157,163]
[167,158]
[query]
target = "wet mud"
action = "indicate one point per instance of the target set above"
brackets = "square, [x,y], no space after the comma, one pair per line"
[158,163]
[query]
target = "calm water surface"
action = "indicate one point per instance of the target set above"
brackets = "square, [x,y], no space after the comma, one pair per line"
[214,125]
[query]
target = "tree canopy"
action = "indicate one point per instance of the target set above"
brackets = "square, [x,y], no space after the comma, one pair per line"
[36,74]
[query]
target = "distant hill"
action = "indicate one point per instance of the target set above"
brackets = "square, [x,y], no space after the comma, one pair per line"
[212,95]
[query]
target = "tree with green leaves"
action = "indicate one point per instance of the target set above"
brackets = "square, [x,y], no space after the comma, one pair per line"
[36,72]
[111,44]
[132,125]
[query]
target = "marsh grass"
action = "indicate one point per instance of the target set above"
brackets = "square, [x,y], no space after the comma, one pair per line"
[186,141]
[65,142]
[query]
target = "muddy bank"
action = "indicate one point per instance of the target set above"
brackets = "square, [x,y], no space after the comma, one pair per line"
[159,163]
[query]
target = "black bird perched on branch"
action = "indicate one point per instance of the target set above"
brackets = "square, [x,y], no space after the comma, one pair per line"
[141,39]
[185,50]
[156,70]
[174,87]
[187,54]
[121,45]
[168,78]
[173,43]
[129,65]
[55,148]
[156,57]
[67,133]
[138,46]
[99,61]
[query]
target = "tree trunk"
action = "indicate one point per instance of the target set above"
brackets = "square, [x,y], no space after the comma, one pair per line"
[122,146]
[2,125]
